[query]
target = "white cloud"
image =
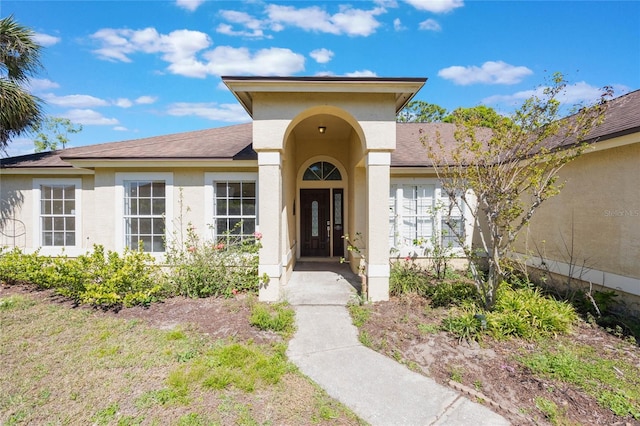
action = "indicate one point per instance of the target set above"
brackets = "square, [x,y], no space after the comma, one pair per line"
[88,117]
[491,72]
[181,49]
[217,112]
[254,26]
[123,103]
[46,40]
[349,21]
[226,60]
[118,44]
[40,84]
[436,6]
[74,101]
[120,129]
[190,5]
[146,100]
[397,25]
[430,25]
[322,56]
[576,93]
[362,73]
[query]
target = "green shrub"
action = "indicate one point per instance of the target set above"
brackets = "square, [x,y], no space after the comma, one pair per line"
[19,268]
[527,313]
[224,268]
[523,313]
[130,279]
[452,293]
[94,278]
[407,277]
[465,325]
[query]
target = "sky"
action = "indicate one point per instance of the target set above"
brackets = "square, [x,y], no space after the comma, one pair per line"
[133,69]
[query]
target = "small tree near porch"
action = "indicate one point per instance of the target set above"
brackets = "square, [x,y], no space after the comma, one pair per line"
[502,175]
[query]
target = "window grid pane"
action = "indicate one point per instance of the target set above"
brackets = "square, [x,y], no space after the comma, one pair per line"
[57,215]
[144,210]
[411,215]
[235,208]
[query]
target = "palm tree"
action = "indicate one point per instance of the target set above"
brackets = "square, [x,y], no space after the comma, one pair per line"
[20,111]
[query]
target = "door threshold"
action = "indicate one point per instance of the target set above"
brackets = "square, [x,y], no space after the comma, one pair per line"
[327,259]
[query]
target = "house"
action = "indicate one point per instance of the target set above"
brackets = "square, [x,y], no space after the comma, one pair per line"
[322,158]
[590,232]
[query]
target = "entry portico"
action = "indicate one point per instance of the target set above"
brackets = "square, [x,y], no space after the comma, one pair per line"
[324,151]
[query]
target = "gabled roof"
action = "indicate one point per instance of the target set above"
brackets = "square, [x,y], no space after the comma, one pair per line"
[235,142]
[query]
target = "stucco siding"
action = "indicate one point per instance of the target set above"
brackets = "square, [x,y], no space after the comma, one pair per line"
[595,220]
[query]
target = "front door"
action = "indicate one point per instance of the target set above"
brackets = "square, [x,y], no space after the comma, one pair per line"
[315,222]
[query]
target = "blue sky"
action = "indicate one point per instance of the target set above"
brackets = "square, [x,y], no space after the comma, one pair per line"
[133,69]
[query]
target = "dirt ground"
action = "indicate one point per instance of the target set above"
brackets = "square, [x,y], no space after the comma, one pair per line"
[488,372]
[485,372]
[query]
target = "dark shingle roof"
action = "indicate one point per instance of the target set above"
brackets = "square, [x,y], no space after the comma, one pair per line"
[222,143]
[235,142]
[622,117]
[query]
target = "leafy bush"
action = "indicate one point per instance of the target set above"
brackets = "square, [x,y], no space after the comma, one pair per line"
[452,293]
[224,268]
[407,277]
[529,314]
[130,279]
[523,312]
[94,278]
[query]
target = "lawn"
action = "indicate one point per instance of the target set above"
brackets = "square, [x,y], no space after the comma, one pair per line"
[76,365]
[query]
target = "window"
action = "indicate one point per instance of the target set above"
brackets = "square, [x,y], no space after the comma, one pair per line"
[417,214]
[144,213]
[322,170]
[57,206]
[234,201]
[411,216]
[144,210]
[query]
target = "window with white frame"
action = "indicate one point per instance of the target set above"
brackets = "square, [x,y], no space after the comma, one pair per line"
[234,204]
[411,219]
[57,208]
[145,210]
[418,217]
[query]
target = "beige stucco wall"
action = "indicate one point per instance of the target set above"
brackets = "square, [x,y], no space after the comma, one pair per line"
[596,216]
[19,204]
[363,151]
[99,209]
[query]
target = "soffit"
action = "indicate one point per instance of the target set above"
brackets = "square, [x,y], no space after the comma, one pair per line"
[244,88]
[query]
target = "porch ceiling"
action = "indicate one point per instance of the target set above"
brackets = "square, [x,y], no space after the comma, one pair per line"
[336,128]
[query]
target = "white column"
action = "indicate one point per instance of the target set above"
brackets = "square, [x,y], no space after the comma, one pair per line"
[269,223]
[378,181]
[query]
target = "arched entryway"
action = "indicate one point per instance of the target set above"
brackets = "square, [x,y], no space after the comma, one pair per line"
[321,195]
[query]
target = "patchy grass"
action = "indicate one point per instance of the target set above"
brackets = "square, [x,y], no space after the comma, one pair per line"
[62,365]
[613,382]
[278,317]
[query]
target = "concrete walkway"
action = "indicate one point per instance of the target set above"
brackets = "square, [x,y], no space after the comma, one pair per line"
[378,389]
